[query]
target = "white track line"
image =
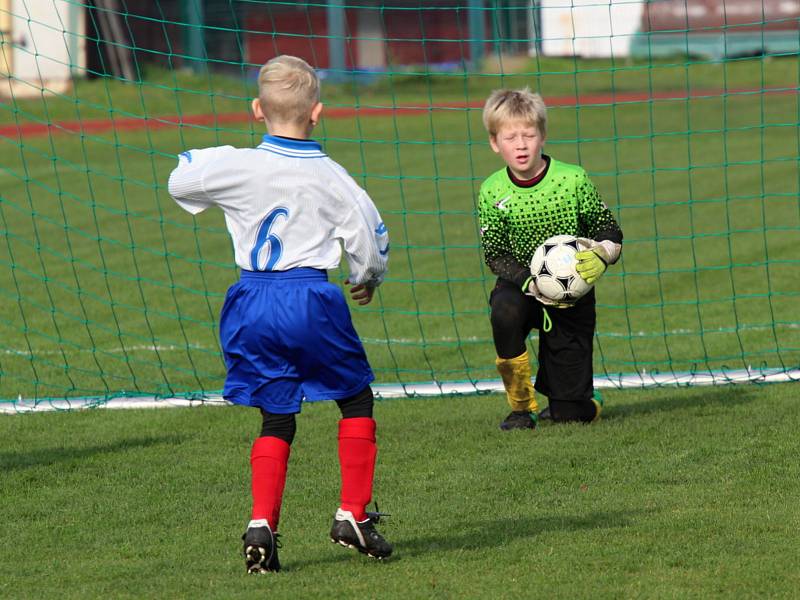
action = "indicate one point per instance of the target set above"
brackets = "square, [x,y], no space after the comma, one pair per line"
[419,390]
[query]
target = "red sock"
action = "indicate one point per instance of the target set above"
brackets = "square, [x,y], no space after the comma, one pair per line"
[268,460]
[357,451]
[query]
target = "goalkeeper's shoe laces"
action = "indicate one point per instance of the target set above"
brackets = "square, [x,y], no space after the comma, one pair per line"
[360,535]
[261,550]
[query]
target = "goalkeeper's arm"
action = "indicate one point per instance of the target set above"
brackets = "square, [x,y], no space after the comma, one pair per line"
[507,267]
[598,223]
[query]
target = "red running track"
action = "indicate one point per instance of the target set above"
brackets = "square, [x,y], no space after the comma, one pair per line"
[210,120]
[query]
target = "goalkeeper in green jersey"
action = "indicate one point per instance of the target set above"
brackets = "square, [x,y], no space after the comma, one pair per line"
[533,198]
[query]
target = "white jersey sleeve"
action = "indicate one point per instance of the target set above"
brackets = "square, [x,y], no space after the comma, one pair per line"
[186,183]
[366,242]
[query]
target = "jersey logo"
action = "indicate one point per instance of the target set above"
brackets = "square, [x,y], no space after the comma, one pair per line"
[382,230]
[265,237]
[501,204]
[187,154]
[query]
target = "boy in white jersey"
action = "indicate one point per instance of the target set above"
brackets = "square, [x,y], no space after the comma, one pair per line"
[533,198]
[286,332]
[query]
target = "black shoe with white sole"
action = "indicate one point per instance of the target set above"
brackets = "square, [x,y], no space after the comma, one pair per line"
[261,550]
[360,535]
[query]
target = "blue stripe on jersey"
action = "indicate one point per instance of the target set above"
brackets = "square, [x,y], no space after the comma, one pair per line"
[292,144]
[290,147]
[272,150]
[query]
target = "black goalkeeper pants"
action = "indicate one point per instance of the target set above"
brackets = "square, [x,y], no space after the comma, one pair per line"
[565,351]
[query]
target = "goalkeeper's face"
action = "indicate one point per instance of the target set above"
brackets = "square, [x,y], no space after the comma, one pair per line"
[520,146]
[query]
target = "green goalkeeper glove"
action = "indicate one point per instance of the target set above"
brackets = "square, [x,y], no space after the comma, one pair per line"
[591,264]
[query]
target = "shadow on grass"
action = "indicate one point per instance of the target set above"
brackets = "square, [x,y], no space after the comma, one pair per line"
[25,459]
[681,400]
[499,532]
[479,535]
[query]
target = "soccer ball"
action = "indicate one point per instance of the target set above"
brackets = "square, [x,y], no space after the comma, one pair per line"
[553,270]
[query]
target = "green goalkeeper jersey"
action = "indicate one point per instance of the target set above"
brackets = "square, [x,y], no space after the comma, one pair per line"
[515,220]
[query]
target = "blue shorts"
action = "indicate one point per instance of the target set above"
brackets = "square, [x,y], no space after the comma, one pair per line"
[288,336]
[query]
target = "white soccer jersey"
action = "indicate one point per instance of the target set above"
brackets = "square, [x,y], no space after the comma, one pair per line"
[286,205]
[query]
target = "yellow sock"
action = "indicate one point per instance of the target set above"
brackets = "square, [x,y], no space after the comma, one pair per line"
[516,375]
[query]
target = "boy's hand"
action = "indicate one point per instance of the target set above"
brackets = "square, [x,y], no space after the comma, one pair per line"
[361,293]
[532,290]
[593,262]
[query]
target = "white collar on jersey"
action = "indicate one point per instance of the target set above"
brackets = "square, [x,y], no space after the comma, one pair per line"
[291,147]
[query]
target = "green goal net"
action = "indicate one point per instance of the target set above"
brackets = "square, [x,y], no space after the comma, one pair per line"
[684,113]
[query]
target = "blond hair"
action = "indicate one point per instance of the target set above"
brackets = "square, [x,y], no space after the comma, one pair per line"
[288,88]
[505,106]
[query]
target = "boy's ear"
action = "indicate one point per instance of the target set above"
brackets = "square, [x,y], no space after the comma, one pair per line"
[316,112]
[257,112]
[493,144]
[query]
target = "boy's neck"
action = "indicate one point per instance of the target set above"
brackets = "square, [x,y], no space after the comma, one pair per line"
[533,176]
[290,131]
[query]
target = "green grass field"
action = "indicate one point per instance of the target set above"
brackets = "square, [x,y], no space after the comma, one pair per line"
[675,493]
[109,288]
